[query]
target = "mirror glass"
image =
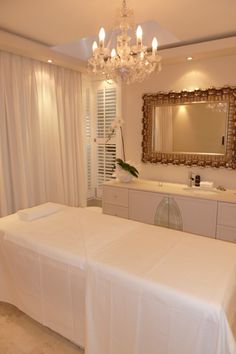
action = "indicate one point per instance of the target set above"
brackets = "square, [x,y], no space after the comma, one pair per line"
[190,128]
[193,128]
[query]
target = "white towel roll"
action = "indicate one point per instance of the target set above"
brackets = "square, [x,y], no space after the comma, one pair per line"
[39,211]
[206,184]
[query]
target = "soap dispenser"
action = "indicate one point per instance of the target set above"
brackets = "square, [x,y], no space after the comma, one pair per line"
[197,181]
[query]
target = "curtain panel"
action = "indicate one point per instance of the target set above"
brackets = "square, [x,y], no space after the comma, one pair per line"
[42,155]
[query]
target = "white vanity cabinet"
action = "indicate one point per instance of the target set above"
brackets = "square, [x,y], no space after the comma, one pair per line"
[226,222]
[198,215]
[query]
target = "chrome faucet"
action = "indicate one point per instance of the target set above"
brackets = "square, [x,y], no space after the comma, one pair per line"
[190,178]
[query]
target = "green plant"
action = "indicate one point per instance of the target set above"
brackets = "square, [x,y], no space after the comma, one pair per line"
[127,167]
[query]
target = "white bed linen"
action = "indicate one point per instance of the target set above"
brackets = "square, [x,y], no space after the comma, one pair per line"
[162,292]
[42,264]
[149,290]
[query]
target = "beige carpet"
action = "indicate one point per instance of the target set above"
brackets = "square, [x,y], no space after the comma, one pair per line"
[19,334]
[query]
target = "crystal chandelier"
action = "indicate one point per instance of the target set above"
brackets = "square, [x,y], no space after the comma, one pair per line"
[133,63]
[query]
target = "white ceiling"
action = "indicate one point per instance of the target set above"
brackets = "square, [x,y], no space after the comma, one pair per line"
[61,22]
[56,22]
[82,48]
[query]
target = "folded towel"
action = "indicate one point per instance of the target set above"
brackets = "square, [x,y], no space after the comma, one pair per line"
[206,184]
[39,211]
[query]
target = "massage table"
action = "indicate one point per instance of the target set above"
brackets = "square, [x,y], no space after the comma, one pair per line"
[116,286]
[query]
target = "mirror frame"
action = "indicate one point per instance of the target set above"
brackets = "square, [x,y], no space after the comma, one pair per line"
[225,94]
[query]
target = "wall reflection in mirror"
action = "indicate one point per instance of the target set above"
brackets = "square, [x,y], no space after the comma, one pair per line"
[190,128]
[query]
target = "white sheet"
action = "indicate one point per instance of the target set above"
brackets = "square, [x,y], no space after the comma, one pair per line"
[70,235]
[42,264]
[162,293]
[149,290]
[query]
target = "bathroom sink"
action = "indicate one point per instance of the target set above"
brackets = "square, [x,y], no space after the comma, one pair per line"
[199,190]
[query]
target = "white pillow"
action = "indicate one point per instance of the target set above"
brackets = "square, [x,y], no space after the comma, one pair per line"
[39,211]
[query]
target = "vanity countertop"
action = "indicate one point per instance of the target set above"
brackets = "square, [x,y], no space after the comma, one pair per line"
[177,189]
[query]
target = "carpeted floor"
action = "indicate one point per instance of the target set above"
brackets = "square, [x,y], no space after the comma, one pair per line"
[19,334]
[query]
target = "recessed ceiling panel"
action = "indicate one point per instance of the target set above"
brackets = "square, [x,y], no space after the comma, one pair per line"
[82,48]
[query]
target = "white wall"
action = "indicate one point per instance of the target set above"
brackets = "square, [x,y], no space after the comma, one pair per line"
[216,72]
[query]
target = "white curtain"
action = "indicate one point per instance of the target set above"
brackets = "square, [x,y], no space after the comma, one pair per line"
[42,155]
[163,129]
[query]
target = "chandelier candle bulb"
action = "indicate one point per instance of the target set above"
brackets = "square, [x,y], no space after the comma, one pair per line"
[95,47]
[113,56]
[139,34]
[113,53]
[154,46]
[102,36]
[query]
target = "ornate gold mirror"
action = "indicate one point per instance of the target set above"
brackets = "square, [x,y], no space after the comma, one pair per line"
[194,128]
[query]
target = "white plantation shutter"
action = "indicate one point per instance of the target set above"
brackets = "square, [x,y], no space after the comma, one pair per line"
[106,150]
[87,113]
[106,111]
[100,109]
[106,155]
[89,167]
[88,133]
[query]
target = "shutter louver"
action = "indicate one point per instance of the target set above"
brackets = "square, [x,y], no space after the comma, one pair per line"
[89,167]
[88,141]
[87,114]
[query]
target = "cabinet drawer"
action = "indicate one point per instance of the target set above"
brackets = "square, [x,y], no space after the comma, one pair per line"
[116,196]
[226,214]
[115,210]
[226,233]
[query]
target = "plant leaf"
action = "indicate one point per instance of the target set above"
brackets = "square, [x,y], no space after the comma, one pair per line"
[127,167]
